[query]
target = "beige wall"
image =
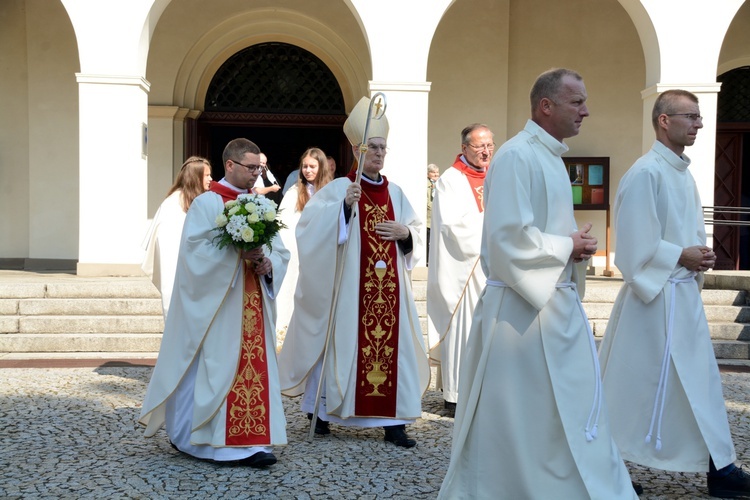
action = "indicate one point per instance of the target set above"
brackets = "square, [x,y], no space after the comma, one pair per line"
[39,159]
[735,51]
[53,141]
[468,69]
[508,47]
[14,131]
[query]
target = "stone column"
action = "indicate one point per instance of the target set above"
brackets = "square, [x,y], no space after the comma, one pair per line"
[113,178]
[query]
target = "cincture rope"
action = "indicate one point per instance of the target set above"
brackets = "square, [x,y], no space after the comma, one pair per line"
[592,424]
[661,389]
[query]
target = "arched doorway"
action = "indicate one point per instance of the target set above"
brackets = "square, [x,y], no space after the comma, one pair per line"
[280,96]
[732,171]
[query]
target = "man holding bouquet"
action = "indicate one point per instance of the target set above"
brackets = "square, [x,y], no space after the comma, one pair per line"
[215,384]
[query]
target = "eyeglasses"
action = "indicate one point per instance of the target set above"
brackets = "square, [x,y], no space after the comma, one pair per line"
[692,116]
[482,147]
[378,147]
[250,168]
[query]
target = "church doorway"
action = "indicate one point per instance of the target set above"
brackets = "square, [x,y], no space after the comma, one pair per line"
[279,96]
[732,172]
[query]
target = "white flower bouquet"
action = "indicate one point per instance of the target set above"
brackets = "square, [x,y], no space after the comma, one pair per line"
[247,223]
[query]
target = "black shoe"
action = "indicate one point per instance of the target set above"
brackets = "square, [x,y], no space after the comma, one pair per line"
[396,434]
[258,460]
[321,426]
[736,484]
[450,406]
[637,488]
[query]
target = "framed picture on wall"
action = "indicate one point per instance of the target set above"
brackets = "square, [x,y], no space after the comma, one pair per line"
[589,182]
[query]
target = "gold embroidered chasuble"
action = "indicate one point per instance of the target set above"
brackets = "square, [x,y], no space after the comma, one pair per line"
[378,328]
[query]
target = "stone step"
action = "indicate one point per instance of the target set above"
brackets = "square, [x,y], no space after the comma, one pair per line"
[68,313]
[419,289]
[714,313]
[724,349]
[80,342]
[718,330]
[80,288]
[81,324]
[80,307]
[606,292]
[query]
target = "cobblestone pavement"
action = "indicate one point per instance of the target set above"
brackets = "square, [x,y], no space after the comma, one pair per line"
[72,433]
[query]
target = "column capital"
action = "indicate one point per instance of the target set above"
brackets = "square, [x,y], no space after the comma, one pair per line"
[399,86]
[695,88]
[138,81]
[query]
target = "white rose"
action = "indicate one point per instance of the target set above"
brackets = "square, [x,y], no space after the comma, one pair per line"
[251,218]
[270,215]
[234,210]
[247,234]
[221,220]
[251,208]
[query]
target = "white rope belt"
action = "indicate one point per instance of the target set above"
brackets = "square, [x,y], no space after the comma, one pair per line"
[661,389]
[592,424]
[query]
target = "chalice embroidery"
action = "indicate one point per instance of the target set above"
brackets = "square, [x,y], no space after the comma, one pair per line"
[379,313]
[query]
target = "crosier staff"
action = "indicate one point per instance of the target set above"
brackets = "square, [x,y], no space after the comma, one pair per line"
[378,102]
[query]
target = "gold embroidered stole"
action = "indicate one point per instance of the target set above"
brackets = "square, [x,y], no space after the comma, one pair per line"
[377,359]
[248,403]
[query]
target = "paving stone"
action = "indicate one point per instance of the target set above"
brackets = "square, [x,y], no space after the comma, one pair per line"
[72,433]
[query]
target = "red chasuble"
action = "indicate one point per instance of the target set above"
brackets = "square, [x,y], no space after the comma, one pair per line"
[377,348]
[248,403]
[476,181]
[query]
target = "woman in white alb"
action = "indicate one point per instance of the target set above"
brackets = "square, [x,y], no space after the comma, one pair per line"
[162,242]
[313,175]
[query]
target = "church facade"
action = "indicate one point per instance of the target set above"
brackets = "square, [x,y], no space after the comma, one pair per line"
[103,101]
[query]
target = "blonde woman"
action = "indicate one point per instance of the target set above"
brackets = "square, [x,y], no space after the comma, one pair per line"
[162,241]
[313,175]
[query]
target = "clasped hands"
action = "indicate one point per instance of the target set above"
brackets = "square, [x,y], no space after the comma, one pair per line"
[388,230]
[261,263]
[584,244]
[698,258]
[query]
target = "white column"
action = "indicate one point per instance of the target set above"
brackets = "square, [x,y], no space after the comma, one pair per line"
[406,162]
[162,160]
[400,72]
[113,176]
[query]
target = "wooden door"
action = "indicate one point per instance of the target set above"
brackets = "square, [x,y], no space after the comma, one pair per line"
[727,193]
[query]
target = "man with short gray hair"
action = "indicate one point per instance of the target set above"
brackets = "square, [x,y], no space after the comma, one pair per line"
[455,279]
[659,372]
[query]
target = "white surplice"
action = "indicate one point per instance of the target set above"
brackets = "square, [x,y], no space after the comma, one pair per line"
[528,392]
[318,233]
[454,277]
[285,298]
[162,245]
[657,213]
[202,335]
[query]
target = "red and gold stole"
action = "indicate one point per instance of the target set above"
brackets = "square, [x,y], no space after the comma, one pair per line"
[476,181]
[248,403]
[377,336]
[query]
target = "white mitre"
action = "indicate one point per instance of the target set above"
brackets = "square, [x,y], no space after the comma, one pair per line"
[354,127]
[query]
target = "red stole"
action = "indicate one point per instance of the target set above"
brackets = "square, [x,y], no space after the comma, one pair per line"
[377,335]
[248,403]
[476,181]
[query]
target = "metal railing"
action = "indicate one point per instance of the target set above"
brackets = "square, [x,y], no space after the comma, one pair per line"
[733,216]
